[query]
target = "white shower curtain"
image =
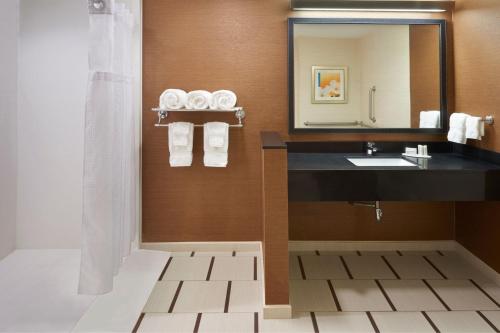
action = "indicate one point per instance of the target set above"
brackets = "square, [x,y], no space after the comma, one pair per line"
[109,180]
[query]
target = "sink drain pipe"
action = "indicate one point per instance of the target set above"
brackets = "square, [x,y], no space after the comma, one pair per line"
[371,204]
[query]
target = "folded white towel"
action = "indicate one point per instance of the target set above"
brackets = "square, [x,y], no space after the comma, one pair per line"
[174,99]
[180,144]
[223,99]
[216,143]
[457,128]
[198,100]
[474,128]
[430,119]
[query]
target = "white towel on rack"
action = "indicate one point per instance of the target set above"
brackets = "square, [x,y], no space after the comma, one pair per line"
[216,144]
[180,144]
[474,128]
[198,100]
[174,99]
[457,128]
[430,119]
[223,99]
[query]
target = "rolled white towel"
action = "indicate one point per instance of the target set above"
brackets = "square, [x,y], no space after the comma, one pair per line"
[430,119]
[223,99]
[198,100]
[174,99]
[474,128]
[457,128]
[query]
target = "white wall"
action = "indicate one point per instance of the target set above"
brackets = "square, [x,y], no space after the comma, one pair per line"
[9,27]
[53,71]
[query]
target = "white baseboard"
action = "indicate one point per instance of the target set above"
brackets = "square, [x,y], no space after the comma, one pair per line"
[282,311]
[446,245]
[202,246]
[477,263]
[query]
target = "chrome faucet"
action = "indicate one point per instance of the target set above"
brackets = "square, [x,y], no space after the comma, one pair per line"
[371,148]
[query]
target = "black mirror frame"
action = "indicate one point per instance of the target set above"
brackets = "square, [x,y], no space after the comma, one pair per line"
[443,74]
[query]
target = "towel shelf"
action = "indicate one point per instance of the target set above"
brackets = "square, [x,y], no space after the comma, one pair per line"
[239,113]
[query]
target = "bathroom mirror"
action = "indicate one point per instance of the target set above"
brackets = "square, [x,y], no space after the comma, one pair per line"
[360,75]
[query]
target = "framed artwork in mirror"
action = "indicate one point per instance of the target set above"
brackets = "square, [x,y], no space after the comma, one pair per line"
[329,85]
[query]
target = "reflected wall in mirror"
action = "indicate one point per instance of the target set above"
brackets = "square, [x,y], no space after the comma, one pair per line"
[367,75]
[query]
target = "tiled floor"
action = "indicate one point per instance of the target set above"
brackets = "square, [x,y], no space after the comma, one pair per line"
[394,291]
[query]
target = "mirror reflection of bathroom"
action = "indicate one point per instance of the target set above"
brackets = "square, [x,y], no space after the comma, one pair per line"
[367,76]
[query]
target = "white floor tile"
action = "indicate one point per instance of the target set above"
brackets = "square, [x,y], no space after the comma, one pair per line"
[246,296]
[167,322]
[413,267]
[323,268]
[344,322]
[462,295]
[227,322]
[411,295]
[311,295]
[300,323]
[459,322]
[493,317]
[248,254]
[419,253]
[360,295]
[368,267]
[233,268]
[453,266]
[201,296]
[303,253]
[397,322]
[379,253]
[188,268]
[338,253]
[161,296]
[213,254]
[490,287]
[181,254]
[294,268]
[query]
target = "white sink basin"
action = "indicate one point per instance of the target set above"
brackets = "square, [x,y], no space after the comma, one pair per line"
[380,162]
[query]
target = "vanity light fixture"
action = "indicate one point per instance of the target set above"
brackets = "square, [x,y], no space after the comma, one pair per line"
[373,5]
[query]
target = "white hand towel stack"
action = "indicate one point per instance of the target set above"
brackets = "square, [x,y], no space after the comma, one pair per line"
[180,144]
[198,100]
[457,128]
[216,143]
[223,100]
[173,99]
[474,128]
[430,119]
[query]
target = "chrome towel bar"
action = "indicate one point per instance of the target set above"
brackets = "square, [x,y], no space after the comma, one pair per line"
[239,113]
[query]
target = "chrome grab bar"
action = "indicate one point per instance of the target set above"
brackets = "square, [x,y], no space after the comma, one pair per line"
[371,104]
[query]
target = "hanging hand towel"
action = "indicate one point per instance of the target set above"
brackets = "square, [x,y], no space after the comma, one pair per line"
[223,99]
[173,99]
[457,128]
[180,144]
[198,100]
[216,143]
[474,128]
[430,119]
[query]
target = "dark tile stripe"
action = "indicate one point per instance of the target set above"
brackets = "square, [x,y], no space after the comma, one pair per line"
[359,253]
[165,269]
[138,323]
[345,267]
[399,253]
[485,293]
[228,297]
[372,321]
[177,292]
[334,295]
[234,253]
[210,268]
[488,321]
[302,271]
[393,308]
[255,268]
[256,322]
[192,254]
[197,324]
[434,327]
[317,253]
[440,253]
[391,268]
[434,266]
[437,295]
[314,322]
